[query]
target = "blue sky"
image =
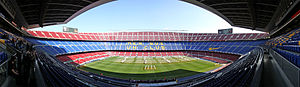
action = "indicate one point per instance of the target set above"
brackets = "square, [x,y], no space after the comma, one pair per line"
[147,15]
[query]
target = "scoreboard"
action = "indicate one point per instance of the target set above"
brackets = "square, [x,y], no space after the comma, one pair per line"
[225,31]
[70,30]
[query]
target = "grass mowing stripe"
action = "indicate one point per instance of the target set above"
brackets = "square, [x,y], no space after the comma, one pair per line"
[156,60]
[109,67]
[134,60]
[176,59]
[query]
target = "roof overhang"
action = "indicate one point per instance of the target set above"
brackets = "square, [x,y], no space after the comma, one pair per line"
[39,13]
[250,14]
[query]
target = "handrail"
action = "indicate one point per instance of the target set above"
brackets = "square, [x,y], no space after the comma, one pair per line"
[258,71]
[6,61]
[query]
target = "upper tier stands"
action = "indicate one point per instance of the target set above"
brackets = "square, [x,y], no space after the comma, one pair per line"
[288,46]
[148,36]
[59,47]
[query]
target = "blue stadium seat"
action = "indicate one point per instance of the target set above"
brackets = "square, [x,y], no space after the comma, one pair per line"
[290,56]
[64,47]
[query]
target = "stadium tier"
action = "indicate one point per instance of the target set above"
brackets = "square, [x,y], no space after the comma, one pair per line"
[148,36]
[156,48]
[82,58]
[59,47]
[288,46]
[150,59]
[235,75]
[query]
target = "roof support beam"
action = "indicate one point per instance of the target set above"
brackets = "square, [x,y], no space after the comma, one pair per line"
[53,20]
[234,13]
[232,9]
[64,4]
[43,10]
[266,4]
[87,1]
[227,3]
[28,5]
[265,11]
[234,16]
[58,14]
[69,10]
[57,17]
[251,5]
[28,16]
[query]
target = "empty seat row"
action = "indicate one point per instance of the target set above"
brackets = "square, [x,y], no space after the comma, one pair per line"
[290,56]
[294,48]
[148,36]
[290,38]
[292,42]
[57,47]
[119,53]
[81,58]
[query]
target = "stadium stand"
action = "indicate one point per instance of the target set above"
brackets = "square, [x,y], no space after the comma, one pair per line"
[82,58]
[236,74]
[59,47]
[280,18]
[211,47]
[242,69]
[147,36]
[288,46]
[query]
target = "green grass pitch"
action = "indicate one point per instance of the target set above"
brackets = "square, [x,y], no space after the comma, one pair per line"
[149,68]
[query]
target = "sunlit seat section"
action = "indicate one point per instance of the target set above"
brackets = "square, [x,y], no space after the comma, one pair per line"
[148,36]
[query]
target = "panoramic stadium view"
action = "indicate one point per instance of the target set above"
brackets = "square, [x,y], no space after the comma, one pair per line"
[147,43]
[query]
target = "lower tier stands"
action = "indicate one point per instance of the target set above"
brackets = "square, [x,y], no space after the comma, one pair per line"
[148,36]
[82,58]
[231,57]
[238,73]
[58,47]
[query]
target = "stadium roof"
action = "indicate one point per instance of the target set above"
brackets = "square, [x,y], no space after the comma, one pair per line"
[39,13]
[251,14]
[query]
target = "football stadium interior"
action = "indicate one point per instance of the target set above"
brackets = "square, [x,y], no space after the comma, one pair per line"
[61,59]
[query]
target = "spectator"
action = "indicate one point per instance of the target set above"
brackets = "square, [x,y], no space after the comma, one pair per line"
[12,67]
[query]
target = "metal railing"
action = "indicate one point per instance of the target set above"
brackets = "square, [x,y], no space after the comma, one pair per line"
[4,65]
[4,69]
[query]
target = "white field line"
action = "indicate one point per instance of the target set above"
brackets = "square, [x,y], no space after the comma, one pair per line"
[145,61]
[167,60]
[124,59]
